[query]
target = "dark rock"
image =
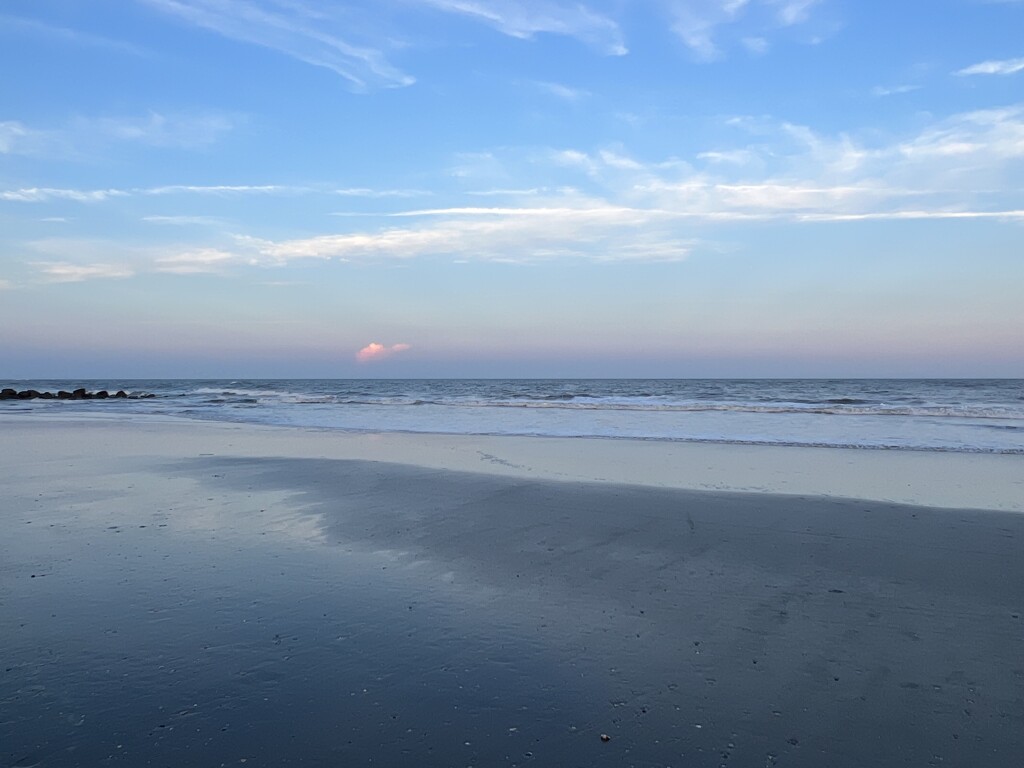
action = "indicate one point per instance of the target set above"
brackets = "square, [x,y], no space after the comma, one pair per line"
[79,394]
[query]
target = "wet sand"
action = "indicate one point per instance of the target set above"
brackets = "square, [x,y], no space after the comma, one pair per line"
[292,607]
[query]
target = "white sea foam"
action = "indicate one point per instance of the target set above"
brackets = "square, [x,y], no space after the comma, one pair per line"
[953,415]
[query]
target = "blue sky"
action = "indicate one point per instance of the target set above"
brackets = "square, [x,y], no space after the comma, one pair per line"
[494,188]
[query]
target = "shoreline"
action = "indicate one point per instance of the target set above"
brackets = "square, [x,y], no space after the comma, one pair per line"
[927,478]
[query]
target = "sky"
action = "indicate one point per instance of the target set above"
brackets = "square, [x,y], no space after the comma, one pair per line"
[541,188]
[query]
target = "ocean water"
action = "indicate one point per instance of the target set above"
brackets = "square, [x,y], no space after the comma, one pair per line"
[968,415]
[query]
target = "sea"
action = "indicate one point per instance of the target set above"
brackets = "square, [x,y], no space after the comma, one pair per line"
[963,415]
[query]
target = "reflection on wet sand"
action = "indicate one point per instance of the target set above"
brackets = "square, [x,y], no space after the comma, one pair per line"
[306,612]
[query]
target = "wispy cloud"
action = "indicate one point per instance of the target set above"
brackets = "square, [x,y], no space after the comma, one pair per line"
[16,138]
[962,167]
[959,167]
[45,194]
[1009,215]
[756,45]
[731,156]
[987,137]
[574,158]
[614,159]
[792,12]
[377,351]
[87,137]
[66,272]
[563,92]
[893,90]
[64,35]
[197,261]
[158,130]
[521,212]
[695,23]
[524,20]
[526,192]
[588,230]
[381,193]
[70,259]
[303,31]
[184,221]
[1003,67]
[221,189]
[698,23]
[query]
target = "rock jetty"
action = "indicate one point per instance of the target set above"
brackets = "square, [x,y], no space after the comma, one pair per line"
[78,394]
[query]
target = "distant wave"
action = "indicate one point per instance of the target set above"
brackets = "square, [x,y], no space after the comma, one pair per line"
[925,415]
[843,406]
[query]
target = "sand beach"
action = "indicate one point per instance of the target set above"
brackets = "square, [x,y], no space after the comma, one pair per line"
[182,593]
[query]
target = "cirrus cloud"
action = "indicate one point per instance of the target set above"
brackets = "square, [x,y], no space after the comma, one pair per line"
[993,67]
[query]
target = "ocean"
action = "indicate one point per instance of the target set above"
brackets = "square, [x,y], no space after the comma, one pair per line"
[965,415]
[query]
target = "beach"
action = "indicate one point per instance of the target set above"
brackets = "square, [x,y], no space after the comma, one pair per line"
[180,592]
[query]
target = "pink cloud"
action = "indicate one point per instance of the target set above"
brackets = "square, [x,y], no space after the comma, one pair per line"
[375,351]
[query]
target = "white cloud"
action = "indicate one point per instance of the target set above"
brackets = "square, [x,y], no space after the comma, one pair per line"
[527,192]
[16,138]
[960,167]
[10,133]
[524,20]
[64,35]
[589,229]
[732,156]
[617,160]
[1009,215]
[893,90]
[1004,67]
[573,158]
[756,45]
[963,167]
[183,221]
[381,193]
[478,165]
[221,189]
[563,92]
[525,212]
[989,134]
[699,23]
[300,30]
[45,194]
[6,285]
[66,272]
[792,12]
[695,22]
[88,137]
[197,261]
[157,130]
